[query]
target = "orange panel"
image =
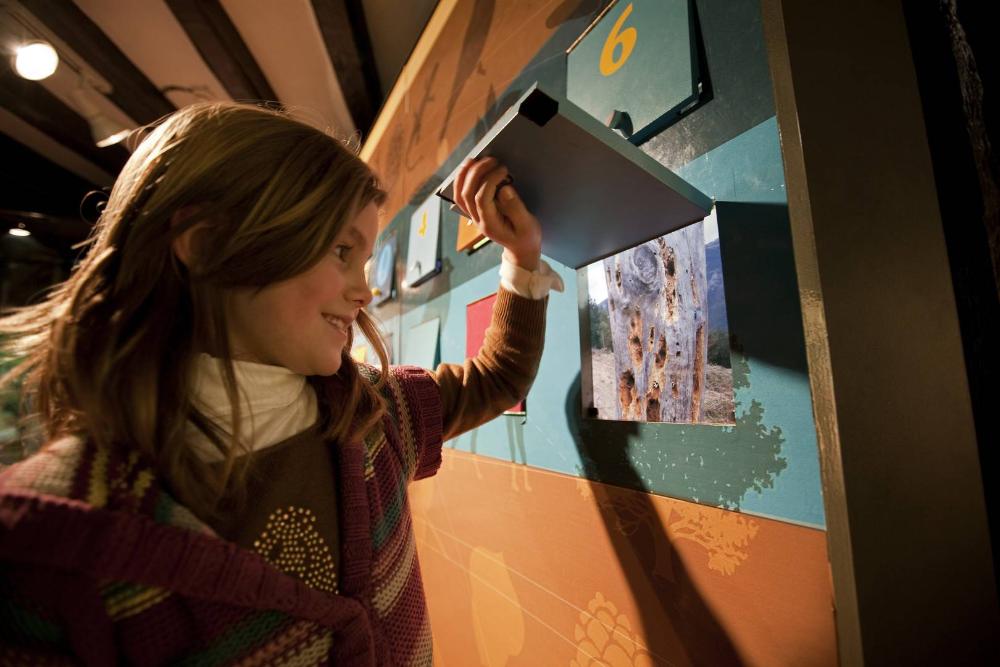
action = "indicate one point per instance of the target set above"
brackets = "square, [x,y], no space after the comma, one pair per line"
[468,234]
[525,566]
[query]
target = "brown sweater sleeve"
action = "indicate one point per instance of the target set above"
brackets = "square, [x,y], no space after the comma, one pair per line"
[499,376]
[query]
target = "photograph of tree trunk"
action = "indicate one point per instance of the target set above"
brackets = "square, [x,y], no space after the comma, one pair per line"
[659,338]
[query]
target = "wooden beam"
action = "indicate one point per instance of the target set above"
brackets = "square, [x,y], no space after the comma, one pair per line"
[902,485]
[345,34]
[224,51]
[36,106]
[132,92]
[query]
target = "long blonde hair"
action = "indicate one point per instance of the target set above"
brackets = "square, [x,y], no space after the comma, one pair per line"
[109,355]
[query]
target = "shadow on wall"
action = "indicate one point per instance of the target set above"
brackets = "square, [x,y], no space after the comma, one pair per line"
[762,290]
[573,9]
[657,577]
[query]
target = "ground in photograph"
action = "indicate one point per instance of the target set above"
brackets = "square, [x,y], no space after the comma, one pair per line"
[717,407]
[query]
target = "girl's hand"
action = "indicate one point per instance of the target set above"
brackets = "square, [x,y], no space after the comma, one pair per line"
[483,190]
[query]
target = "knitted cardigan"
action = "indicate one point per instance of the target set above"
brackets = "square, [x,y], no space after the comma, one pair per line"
[100,565]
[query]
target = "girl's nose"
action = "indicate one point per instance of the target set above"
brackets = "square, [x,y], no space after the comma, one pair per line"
[361,292]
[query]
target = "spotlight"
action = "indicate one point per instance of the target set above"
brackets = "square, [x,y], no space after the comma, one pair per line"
[36,60]
[105,131]
[19,230]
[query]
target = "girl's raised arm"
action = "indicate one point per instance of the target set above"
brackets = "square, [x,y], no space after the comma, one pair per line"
[501,373]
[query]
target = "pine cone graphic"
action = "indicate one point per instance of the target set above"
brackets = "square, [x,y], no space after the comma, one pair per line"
[604,637]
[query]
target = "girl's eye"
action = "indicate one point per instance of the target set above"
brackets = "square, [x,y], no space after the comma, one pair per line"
[341,251]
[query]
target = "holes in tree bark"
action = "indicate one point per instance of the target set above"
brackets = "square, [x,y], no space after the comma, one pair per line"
[661,353]
[699,372]
[634,341]
[626,391]
[653,402]
[670,288]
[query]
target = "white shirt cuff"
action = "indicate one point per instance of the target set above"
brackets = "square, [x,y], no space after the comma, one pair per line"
[529,284]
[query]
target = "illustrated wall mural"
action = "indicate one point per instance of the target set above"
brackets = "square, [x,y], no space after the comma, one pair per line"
[574,534]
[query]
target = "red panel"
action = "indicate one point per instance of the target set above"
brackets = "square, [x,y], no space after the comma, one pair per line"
[477,319]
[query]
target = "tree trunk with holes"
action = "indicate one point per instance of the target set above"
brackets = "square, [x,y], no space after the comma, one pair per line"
[657,296]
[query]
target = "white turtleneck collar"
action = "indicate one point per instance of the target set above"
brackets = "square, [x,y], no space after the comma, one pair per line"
[275,403]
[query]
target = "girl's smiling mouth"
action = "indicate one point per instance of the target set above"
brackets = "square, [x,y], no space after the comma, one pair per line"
[342,324]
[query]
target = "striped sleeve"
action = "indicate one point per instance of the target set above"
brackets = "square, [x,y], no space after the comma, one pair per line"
[415,405]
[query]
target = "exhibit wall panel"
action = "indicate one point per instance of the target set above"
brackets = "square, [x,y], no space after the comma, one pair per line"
[552,538]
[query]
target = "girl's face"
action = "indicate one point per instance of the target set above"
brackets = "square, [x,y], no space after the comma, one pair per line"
[302,323]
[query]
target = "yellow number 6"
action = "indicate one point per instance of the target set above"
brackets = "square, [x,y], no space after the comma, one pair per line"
[627,40]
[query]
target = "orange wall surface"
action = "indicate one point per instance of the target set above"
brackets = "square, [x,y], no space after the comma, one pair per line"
[528,567]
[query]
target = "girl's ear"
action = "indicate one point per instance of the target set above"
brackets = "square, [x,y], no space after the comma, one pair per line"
[181,244]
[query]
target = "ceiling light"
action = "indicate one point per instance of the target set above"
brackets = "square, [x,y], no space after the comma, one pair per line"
[104,130]
[19,230]
[36,60]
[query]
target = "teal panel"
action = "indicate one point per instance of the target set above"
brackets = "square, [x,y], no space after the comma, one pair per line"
[420,344]
[736,83]
[639,59]
[746,168]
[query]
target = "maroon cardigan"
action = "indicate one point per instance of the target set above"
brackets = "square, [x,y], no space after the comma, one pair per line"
[98,562]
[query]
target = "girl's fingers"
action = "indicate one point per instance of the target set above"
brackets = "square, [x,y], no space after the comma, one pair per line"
[511,206]
[473,181]
[481,192]
[491,221]
[459,183]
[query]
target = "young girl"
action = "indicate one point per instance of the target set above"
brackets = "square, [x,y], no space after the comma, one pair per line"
[220,482]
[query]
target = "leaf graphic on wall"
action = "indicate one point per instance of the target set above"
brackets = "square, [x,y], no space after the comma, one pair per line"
[496,610]
[392,157]
[418,118]
[726,536]
[472,50]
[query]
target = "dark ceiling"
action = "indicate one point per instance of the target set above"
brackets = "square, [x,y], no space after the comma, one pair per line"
[146,59]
